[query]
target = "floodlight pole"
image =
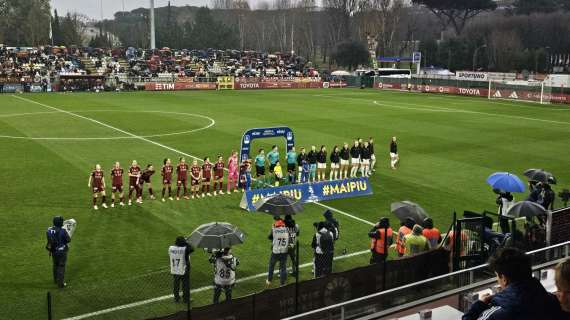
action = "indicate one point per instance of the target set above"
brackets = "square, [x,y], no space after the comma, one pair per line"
[152,35]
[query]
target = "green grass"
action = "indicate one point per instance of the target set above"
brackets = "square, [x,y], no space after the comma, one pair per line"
[448,146]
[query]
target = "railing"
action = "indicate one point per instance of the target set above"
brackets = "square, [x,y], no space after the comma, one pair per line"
[393,301]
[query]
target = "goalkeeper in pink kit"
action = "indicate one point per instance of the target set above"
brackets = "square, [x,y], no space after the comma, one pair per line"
[233,169]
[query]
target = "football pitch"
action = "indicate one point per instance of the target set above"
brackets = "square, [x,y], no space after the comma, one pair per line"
[49,144]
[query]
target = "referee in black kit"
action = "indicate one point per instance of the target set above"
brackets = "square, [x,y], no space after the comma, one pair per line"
[394,158]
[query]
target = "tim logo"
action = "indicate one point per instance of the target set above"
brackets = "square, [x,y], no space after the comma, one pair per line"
[289,136]
[246,139]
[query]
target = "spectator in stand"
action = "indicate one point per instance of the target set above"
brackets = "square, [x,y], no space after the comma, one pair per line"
[405,229]
[415,242]
[432,234]
[562,280]
[521,297]
[548,197]
[323,246]
[381,240]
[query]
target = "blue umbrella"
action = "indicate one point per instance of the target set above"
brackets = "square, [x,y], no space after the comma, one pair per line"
[506,181]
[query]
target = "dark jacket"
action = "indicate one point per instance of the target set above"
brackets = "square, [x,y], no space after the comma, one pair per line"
[523,300]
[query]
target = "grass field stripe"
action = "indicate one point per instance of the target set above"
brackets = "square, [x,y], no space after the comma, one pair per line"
[205,288]
[166,147]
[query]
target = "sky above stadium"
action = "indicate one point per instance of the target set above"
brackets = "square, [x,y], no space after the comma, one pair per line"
[92,8]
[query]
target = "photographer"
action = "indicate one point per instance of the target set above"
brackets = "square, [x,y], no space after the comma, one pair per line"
[293,229]
[224,273]
[323,246]
[57,245]
[505,201]
[381,235]
[179,255]
[332,224]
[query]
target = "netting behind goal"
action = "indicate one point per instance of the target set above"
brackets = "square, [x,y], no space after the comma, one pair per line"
[538,92]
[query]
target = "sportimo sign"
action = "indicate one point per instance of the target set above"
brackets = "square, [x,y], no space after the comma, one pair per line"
[471,75]
[257,133]
[311,192]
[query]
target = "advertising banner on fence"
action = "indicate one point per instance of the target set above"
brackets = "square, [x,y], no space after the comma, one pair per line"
[175,86]
[241,85]
[311,192]
[471,75]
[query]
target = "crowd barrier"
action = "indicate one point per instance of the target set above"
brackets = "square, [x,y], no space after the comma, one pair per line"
[317,293]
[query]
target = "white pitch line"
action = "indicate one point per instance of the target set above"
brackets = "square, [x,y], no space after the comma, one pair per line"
[170,296]
[165,147]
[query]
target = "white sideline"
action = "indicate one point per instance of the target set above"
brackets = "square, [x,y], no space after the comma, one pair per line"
[170,296]
[191,156]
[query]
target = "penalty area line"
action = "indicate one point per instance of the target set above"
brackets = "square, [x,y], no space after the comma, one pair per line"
[197,290]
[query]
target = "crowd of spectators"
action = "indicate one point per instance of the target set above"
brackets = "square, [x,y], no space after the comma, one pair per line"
[42,65]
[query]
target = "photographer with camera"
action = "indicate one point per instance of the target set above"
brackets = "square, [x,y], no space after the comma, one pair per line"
[293,229]
[505,201]
[179,255]
[381,239]
[224,273]
[323,246]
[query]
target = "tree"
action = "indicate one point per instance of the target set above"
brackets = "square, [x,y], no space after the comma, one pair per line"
[535,6]
[350,54]
[56,29]
[456,12]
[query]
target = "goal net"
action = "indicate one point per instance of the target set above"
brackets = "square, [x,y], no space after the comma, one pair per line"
[533,91]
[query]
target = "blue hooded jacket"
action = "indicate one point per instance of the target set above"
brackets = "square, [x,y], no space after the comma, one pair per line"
[523,300]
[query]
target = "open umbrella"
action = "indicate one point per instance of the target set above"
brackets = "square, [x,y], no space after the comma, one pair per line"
[216,235]
[506,181]
[279,204]
[526,209]
[540,175]
[408,209]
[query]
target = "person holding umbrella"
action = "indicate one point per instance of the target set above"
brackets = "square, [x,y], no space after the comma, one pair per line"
[504,183]
[179,254]
[279,237]
[224,273]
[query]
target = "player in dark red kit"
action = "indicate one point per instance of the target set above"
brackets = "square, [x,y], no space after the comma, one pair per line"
[219,175]
[97,185]
[182,178]
[145,178]
[117,184]
[166,173]
[206,177]
[196,176]
[134,175]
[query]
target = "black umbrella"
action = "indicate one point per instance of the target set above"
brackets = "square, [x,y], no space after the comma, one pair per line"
[526,209]
[540,175]
[279,204]
[216,235]
[408,209]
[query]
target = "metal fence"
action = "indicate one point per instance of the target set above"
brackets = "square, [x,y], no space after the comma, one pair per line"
[436,291]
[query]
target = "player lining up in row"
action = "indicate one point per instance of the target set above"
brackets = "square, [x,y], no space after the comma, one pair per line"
[200,178]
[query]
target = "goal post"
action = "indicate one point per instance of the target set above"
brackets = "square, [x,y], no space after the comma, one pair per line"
[531,91]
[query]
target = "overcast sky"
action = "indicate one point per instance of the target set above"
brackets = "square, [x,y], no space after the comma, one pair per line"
[92,8]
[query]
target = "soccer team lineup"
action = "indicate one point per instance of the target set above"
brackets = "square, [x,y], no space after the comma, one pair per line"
[208,178]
